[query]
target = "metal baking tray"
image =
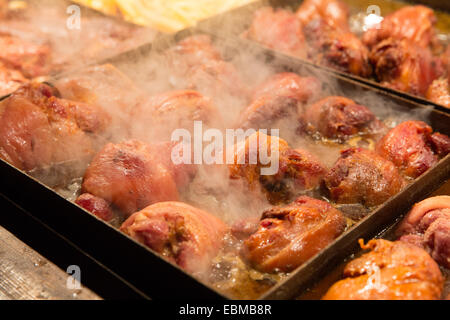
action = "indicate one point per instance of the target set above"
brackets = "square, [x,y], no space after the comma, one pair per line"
[233,23]
[144,271]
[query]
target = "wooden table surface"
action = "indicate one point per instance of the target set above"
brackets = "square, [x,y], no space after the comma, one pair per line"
[25,274]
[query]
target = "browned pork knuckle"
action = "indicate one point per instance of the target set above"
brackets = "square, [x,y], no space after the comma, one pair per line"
[405,66]
[182,234]
[39,129]
[278,29]
[288,236]
[298,170]
[337,49]
[334,12]
[339,118]
[390,271]
[427,225]
[31,59]
[413,147]
[280,97]
[412,23]
[132,175]
[362,176]
[173,110]
[198,65]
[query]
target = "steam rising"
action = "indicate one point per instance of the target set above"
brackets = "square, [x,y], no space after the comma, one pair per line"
[125,86]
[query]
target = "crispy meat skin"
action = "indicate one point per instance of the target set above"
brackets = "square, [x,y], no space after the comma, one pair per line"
[278,29]
[390,271]
[334,12]
[297,169]
[97,206]
[184,235]
[132,175]
[39,129]
[405,66]
[362,176]
[412,23]
[336,48]
[428,225]
[31,59]
[199,66]
[288,236]
[338,118]
[281,96]
[413,148]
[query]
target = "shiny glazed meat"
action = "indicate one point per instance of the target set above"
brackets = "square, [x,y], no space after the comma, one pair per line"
[390,271]
[336,48]
[278,29]
[31,59]
[182,234]
[334,12]
[339,118]
[427,225]
[413,148]
[198,65]
[296,169]
[132,175]
[38,129]
[412,23]
[362,176]
[404,66]
[290,235]
[280,97]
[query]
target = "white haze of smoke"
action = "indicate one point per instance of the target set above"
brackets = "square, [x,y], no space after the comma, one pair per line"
[212,189]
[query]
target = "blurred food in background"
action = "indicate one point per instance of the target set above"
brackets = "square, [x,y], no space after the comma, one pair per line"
[166,16]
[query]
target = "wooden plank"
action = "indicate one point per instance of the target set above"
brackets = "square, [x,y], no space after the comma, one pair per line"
[26,275]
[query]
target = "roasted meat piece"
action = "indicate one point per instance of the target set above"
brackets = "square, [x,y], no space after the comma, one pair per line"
[173,110]
[427,225]
[198,65]
[339,118]
[268,162]
[334,12]
[439,92]
[97,206]
[39,129]
[279,97]
[132,175]
[10,80]
[278,29]
[102,85]
[405,66]
[30,59]
[337,49]
[362,176]
[288,236]
[390,271]
[182,234]
[413,148]
[412,23]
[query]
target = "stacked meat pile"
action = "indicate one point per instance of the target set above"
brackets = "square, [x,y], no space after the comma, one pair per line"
[402,52]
